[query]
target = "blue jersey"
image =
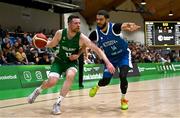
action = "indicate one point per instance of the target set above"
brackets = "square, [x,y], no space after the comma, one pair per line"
[112,44]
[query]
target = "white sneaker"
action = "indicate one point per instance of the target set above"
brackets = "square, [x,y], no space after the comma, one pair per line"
[56,109]
[33,95]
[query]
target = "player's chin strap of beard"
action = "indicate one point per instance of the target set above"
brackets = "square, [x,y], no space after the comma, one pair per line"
[104,25]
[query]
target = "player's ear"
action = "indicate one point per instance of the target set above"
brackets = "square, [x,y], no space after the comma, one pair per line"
[107,19]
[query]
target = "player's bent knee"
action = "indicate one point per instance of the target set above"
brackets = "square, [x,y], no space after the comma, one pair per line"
[122,76]
[70,77]
[52,80]
[71,73]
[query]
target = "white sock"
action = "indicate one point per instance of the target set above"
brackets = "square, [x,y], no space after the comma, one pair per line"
[40,89]
[60,98]
[123,96]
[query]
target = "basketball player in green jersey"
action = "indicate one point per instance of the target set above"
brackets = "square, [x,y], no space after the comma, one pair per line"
[70,41]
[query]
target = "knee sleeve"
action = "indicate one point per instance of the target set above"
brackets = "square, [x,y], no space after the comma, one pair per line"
[104,81]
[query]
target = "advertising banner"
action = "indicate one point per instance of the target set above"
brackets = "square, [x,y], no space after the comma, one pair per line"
[22,76]
[147,68]
[12,77]
[9,79]
[157,68]
[33,75]
[93,71]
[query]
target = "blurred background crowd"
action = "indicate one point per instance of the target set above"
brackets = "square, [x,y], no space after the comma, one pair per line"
[16,48]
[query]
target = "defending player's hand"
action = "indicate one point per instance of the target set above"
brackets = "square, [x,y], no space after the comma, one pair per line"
[134,27]
[130,27]
[111,68]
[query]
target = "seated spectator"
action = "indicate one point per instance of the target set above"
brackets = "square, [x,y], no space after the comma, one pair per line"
[6,39]
[44,60]
[11,59]
[29,37]
[19,41]
[25,39]
[9,54]
[18,29]
[2,59]
[36,58]
[15,46]
[42,51]
[21,56]
[6,47]
[1,32]
[32,54]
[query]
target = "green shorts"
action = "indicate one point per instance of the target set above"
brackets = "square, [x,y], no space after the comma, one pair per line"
[59,66]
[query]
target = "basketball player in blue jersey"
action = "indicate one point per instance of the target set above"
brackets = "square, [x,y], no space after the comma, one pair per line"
[108,37]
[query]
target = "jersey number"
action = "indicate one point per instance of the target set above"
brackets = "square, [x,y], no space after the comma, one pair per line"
[68,54]
[113,47]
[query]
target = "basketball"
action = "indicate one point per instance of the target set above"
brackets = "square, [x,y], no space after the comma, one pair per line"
[40,40]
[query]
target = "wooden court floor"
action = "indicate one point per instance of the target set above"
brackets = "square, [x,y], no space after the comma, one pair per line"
[147,99]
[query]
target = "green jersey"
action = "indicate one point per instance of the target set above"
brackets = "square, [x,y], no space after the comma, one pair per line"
[68,46]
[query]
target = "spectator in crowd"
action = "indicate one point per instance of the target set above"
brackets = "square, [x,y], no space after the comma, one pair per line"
[1,32]
[6,47]
[8,54]
[18,30]
[16,46]
[36,58]
[25,39]
[29,37]
[19,41]
[44,60]
[42,51]
[2,59]
[21,56]
[6,39]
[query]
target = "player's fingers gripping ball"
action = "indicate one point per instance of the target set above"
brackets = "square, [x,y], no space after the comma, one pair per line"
[40,40]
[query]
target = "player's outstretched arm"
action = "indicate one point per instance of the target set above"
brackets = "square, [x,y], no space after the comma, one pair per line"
[55,39]
[85,41]
[130,27]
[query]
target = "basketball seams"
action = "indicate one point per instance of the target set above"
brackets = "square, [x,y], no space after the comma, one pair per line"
[36,39]
[41,39]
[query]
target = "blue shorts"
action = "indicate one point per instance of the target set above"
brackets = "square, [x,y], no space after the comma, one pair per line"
[124,60]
